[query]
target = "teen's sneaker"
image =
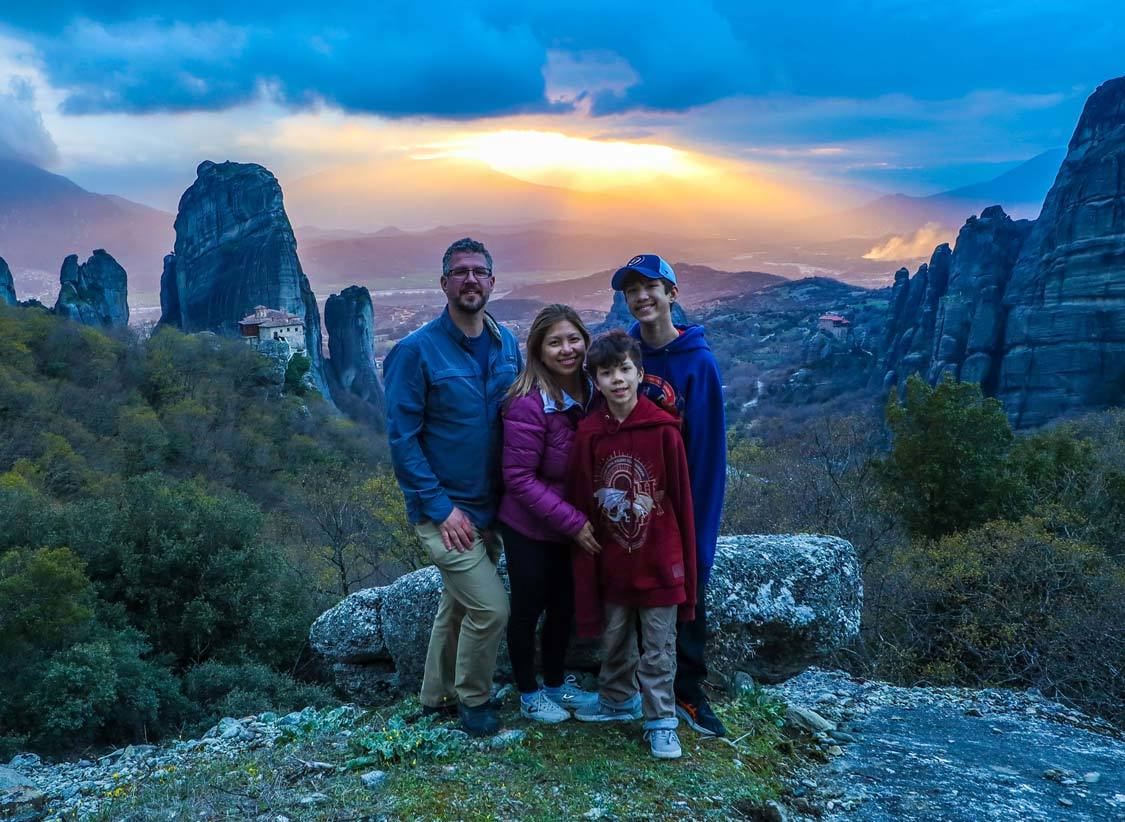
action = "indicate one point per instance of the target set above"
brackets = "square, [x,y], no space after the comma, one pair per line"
[570,696]
[700,717]
[664,743]
[600,712]
[478,720]
[541,708]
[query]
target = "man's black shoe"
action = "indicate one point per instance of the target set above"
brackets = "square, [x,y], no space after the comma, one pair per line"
[700,717]
[448,709]
[479,720]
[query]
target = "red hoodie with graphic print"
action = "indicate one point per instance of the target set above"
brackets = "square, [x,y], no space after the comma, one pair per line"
[630,478]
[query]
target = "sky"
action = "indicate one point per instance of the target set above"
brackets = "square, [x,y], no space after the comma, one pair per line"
[784,101]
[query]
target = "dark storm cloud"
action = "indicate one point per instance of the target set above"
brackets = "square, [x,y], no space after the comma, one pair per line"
[463,60]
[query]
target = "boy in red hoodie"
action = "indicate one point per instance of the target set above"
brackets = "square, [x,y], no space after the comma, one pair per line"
[628,474]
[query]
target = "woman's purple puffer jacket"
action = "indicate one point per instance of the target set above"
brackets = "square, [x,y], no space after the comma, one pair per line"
[536,451]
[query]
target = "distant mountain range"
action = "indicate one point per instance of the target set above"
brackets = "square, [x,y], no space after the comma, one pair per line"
[699,285]
[44,217]
[1020,191]
[535,252]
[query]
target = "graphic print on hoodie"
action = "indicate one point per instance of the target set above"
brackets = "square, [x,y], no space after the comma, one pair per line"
[630,478]
[628,497]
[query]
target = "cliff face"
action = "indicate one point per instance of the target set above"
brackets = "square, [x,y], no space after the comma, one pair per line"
[1064,343]
[971,316]
[1033,311]
[95,292]
[352,376]
[908,341]
[234,250]
[7,286]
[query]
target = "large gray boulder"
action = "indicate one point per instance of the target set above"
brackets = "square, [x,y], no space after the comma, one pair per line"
[235,250]
[7,285]
[94,292]
[776,604]
[349,318]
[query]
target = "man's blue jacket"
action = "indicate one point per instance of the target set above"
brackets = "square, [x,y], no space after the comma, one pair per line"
[443,419]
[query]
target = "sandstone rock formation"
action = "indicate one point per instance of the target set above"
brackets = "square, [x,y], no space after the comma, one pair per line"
[94,292]
[353,378]
[7,286]
[1033,311]
[1064,342]
[971,316]
[235,250]
[950,313]
[776,604]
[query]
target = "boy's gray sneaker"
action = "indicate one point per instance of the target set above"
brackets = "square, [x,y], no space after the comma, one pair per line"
[600,712]
[541,708]
[664,743]
[570,696]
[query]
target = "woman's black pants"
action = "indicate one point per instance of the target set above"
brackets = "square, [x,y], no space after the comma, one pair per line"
[540,576]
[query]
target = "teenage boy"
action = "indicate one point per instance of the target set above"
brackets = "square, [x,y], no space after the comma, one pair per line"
[681,374]
[628,474]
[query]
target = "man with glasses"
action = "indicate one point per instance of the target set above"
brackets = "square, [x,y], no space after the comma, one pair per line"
[445,383]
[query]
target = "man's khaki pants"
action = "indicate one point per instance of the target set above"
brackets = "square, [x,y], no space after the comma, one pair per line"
[624,668]
[470,620]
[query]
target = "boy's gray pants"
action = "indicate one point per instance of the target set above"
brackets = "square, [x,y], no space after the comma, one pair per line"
[624,668]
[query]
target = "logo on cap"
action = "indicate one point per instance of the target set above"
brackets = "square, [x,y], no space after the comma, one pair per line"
[635,260]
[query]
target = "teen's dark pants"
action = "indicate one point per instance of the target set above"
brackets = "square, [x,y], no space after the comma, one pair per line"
[691,638]
[542,585]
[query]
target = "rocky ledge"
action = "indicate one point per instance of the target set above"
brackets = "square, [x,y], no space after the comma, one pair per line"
[950,754]
[776,604]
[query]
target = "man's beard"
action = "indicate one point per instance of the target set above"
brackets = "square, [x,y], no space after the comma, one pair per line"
[471,302]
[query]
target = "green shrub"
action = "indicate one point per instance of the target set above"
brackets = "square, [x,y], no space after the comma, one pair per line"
[68,675]
[154,496]
[241,689]
[1013,605]
[945,471]
[296,370]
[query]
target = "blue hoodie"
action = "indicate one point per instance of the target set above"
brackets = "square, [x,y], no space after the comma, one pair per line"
[684,374]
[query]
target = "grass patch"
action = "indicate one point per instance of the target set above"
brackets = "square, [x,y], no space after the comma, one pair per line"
[568,771]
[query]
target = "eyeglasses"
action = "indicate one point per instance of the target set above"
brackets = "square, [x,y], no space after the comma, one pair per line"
[479,274]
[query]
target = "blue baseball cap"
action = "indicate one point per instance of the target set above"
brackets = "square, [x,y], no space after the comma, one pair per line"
[647,265]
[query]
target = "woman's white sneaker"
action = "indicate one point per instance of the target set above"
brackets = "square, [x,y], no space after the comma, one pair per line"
[540,708]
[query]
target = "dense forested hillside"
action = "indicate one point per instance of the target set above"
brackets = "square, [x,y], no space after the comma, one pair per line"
[175,513]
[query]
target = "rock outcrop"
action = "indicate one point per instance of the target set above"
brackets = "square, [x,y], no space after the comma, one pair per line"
[7,285]
[971,315]
[352,375]
[1064,342]
[949,317]
[1033,311]
[776,604]
[235,250]
[94,292]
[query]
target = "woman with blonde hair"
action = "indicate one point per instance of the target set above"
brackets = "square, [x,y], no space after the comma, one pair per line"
[544,407]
